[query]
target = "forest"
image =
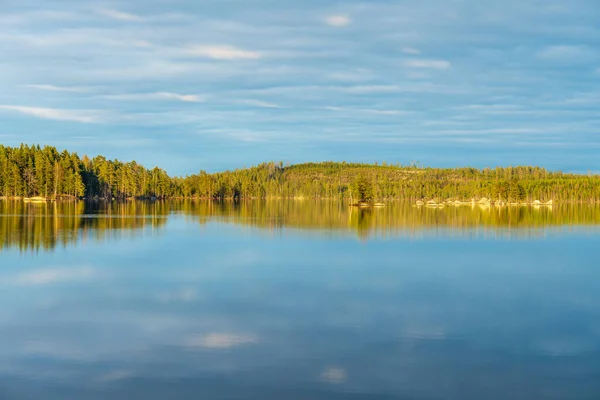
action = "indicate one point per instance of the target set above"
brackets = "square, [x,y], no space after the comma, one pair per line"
[34,171]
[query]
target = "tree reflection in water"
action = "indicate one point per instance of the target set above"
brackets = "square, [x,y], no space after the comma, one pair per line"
[44,226]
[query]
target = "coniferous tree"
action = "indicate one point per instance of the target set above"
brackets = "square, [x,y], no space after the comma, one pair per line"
[44,171]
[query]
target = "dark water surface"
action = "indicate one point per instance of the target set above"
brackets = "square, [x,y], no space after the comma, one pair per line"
[298,300]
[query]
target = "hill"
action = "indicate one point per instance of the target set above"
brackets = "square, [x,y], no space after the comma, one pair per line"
[28,171]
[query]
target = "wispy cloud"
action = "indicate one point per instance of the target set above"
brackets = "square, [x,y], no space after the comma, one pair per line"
[566,53]
[338,21]
[334,375]
[242,135]
[259,103]
[410,50]
[38,15]
[58,88]
[365,110]
[420,74]
[116,375]
[118,15]
[191,98]
[84,116]
[262,77]
[384,112]
[223,53]
[429,64]
[318,90]
[217,340]
[141,43]
[357,75]
[487,107]
[184,295]
[370,89]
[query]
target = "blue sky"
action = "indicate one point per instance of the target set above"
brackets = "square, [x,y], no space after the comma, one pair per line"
[193,84]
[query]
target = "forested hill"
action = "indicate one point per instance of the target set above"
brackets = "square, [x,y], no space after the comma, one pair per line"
[28,171]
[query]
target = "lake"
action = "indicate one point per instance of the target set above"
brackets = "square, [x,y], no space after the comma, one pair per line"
[298,300]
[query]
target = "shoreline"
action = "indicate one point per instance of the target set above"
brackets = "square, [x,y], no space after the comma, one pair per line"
[379,203]
[484,202]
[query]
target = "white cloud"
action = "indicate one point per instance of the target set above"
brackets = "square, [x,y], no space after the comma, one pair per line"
[243,135]
[192,98]
[223,53]
[94,39]
[565,53]
[384,112]
[185,295]
[431,64]
[334,375]
[85,116]
[50,275]
[57,350]
[150,69]
[142,43]
[119,15]
[365,110]
[370,89]
[338,20]
[316,90]
[424,332]
[58,88]
[410,50]
[116,375]
[357,75]
[182,97]
[487,107]
[219,340]
[38,15]
[259,103]
[417,75]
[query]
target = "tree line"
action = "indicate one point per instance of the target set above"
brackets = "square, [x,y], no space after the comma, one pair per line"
[28,171]
[31,171]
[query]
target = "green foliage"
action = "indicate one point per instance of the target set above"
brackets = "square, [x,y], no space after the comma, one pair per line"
[362,189]
[33,171]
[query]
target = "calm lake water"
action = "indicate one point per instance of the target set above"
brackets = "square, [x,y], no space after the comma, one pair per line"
[298,300]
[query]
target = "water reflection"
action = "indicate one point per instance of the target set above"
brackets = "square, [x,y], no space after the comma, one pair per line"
[36,226]
[31,226]
[211,309]
[398,216]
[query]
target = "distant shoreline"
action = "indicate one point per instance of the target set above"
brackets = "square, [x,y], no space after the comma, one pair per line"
[39,174]
[419,203]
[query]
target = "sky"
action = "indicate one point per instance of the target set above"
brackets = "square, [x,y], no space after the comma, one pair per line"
[213,85]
